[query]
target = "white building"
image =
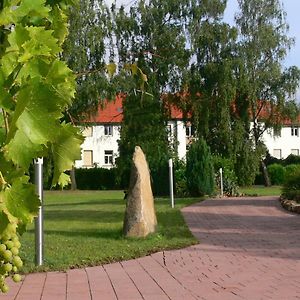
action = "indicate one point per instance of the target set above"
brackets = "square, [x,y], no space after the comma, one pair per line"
[100,147]
[285,143]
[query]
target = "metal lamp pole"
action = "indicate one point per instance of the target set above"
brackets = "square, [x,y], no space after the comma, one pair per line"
[171,181]
[39,234]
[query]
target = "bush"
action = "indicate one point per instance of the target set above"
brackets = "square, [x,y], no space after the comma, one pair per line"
[181,189]
[291,187]
[270,160]
[230,187]
[292,159]
[276,173]
[290,169]
[96,179]
[160,180]
[247,163]
[199,169]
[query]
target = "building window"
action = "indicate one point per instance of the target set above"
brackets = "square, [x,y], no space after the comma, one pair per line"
[295,151]
[87,131]
[108,157]
[88,158]
[189,131]
[108,130]
[295,131]
[277,153]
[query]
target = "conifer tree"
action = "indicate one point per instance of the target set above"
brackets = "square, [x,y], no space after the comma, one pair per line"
[199,169]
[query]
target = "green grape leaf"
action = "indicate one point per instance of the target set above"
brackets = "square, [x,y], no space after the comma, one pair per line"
[17,38]
[8,63]
[6,100]
[63,79]
[35,68]
[65,150]
[32,8]
[41,42]
[63,180]
[134,69]
[20,150]
[9,170]
[59,24]
[111,69]
[6,16]
[3,218]
[21,201]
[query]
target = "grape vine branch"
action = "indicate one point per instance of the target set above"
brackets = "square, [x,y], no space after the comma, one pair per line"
[36,87]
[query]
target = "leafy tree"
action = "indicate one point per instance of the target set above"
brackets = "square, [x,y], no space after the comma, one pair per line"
[144,125]
[85,53]
[199,169]
[150,37]
[265,90]
[35,88]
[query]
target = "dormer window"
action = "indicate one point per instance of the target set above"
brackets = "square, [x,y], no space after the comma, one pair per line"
[108,130]
[295,131]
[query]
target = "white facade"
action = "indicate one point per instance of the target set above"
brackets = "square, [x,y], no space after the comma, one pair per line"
[284,144]
[100,147]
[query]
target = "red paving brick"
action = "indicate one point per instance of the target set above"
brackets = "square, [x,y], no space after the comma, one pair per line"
[250,249]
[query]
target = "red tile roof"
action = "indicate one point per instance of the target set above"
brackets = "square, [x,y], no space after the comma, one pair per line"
[109,112]
[112,112]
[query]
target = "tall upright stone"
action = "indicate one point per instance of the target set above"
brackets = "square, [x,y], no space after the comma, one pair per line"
[140,217]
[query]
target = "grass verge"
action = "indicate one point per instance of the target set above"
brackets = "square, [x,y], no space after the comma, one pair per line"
[260,190]
[84,228]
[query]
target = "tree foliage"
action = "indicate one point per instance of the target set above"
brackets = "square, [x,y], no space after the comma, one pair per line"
[265,91]
[85,51]
[150,38]
[35,88]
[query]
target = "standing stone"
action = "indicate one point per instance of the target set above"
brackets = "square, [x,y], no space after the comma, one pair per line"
[140,218]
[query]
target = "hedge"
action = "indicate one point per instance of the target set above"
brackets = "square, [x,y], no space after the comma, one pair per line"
[97,179]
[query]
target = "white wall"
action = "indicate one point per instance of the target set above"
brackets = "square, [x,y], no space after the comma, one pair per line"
[285,142]
[98,143]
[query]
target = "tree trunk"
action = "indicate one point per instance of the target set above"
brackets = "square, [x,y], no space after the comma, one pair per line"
[73,179]
[265,173]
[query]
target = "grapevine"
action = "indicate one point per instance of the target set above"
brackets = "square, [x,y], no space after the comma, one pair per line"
[36,87]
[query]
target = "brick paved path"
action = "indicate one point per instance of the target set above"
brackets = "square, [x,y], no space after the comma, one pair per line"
[250,249]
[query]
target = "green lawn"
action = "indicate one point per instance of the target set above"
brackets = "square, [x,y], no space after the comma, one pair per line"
[260,190]
[85,228]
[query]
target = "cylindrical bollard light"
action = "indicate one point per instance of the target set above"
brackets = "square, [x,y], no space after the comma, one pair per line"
[221,182]
[171,182]
[39,234]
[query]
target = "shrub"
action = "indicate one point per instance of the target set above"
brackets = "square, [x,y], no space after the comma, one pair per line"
[181,189]
[270,160]
[291,187]
[96,179]
[247,163]
[290,169]
[276,173]
[160,180]
[230,187]
[292,159]
[199,169]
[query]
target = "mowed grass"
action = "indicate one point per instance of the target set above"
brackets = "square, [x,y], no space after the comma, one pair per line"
[84,228]
[260,190]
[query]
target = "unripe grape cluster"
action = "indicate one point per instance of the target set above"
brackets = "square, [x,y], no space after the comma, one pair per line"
[10,261]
